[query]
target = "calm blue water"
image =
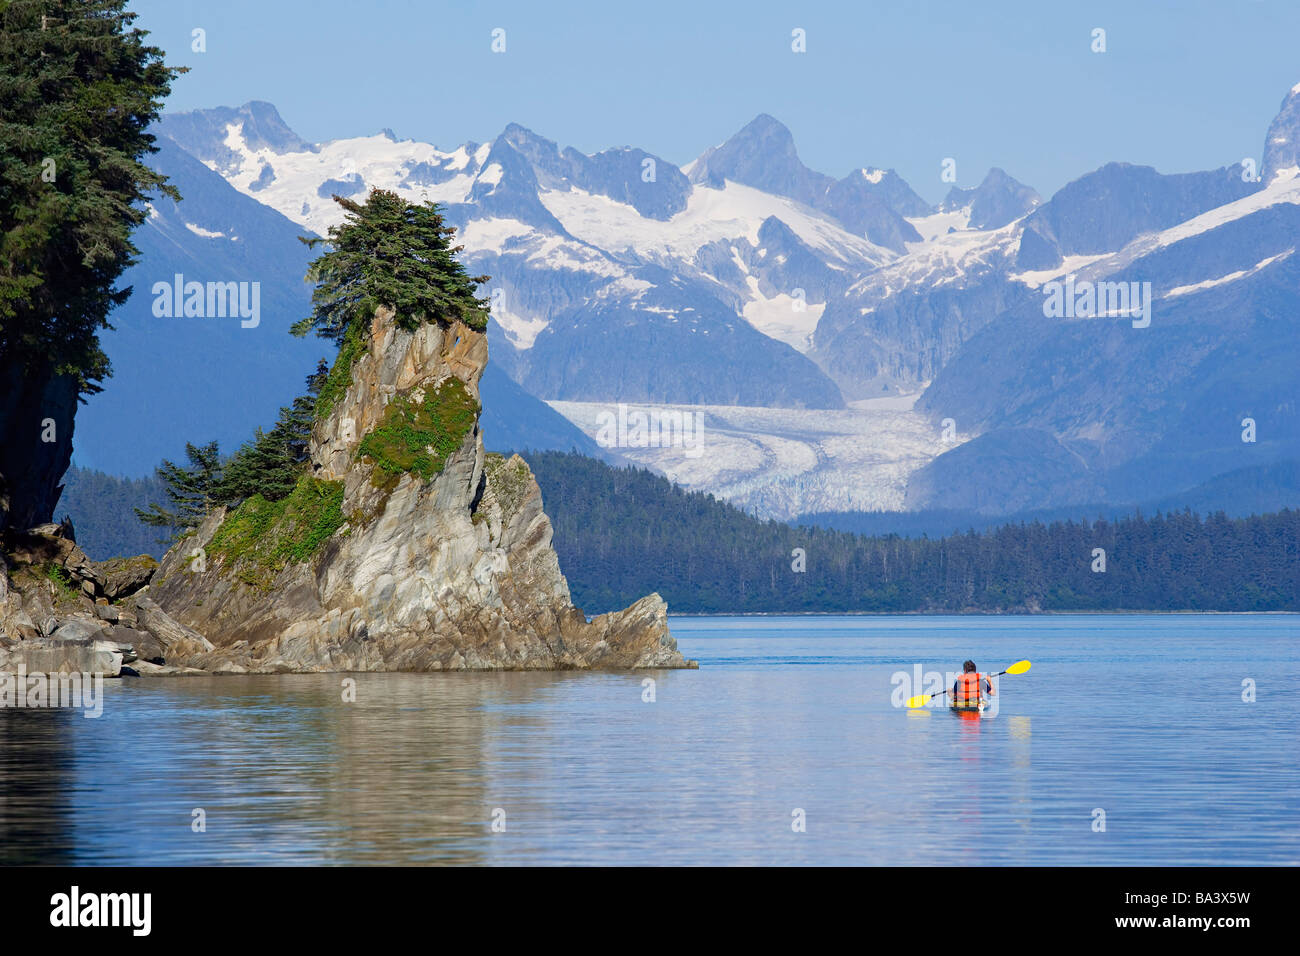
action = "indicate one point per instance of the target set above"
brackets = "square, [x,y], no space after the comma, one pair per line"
[1139,716]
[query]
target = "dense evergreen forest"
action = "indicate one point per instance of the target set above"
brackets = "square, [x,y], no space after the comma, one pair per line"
[102,510]
[621,533]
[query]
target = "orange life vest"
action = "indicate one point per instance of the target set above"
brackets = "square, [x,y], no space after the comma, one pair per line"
[969,688]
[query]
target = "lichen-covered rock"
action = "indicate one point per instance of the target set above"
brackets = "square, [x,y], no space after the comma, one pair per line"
[122,577]
[442,557]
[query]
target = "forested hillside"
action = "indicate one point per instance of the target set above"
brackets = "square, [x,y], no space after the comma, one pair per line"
[621,532]
[101,507]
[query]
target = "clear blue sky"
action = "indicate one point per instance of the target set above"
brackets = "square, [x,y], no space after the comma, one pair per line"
[1184,84]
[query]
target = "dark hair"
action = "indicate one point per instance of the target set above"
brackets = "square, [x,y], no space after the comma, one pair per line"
[968,667]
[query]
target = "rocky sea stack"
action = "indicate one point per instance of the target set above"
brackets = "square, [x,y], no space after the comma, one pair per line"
[406,547]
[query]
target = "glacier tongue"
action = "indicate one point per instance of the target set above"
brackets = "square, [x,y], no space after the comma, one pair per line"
[783,462]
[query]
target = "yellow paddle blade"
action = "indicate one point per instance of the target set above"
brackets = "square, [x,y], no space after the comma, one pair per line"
[919,701]
[1019,667]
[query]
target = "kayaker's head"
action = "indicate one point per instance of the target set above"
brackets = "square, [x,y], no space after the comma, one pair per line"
[968,666]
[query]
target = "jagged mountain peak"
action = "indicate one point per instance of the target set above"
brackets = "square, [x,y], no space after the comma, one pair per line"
[869,202]
[264,126]
[959,197]
[524,139]
[995,178]
[885,187]
[619,173]
[1000,199]
[761,154]
[1103,210]
[764,135]
[763,128]
[202,133]
[1282,142]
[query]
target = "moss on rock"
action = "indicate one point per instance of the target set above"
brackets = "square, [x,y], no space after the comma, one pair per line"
[340,374]
[419,437]
[260,537]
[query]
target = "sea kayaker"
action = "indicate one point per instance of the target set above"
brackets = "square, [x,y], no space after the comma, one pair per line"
[970,686]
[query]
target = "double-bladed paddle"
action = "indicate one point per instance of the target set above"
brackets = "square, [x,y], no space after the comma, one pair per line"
[920,700]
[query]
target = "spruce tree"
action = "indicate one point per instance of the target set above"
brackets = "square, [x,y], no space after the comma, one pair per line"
[394,253]
[191,489]
[79,88]
[272,462]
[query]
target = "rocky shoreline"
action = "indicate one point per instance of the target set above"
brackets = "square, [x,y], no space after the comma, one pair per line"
[60,612]
[441,565]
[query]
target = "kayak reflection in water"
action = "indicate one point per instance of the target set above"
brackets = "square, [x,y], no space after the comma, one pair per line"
[970,689]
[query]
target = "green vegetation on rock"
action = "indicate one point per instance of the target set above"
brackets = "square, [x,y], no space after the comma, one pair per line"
[260,537]
[65,589]
[269,466]
[419,437]
[340,374]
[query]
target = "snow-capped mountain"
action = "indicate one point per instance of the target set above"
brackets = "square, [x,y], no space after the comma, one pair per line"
[1120,407]
[868,202]
[713,292]
[745,279]
[197,377]
[1282,142]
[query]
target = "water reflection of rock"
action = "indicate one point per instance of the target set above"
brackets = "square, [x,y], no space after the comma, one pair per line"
[35,787]
[285,770]
[398,775]
[393,776]
[411,771]
[404,779]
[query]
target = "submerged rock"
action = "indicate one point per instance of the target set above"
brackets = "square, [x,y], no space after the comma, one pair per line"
[430,558]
